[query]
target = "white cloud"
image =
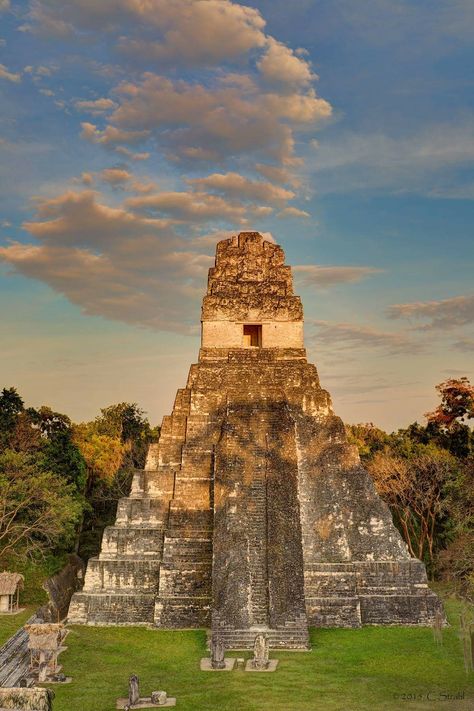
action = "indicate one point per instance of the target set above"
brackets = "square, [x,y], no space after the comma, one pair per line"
[95,107]
[4,5]
[111,135]
[465,345]
[115,176]
[319,277]
[424,162]
[281,66]
[236,185]
[193,206]
[133,155]
[443,314]
[79,218]
[293,212]
[277,174]
[347,336]
[197,32]
[230,118]
[9,76]
[113,263]
[186,31]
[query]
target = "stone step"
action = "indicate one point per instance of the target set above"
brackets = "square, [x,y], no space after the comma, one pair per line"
[122,574]
[280,638]
[143,512]
[111,608]
[121,542]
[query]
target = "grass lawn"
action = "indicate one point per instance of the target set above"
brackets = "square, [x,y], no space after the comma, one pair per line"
[347,670]
[9,624]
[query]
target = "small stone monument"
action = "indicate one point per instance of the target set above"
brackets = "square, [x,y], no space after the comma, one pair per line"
[217,662]
[217,652]
[133,690]
[261,653]
[158,699]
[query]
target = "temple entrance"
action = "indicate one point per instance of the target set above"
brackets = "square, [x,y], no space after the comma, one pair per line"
[252,336]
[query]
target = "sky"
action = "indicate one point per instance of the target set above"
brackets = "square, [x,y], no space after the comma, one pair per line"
[134,134]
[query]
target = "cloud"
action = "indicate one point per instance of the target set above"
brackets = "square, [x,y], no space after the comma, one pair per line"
[95,106]
[257,94]
[113,263]
[277,174]
[319,277]
[280,66]
[197,32]
[115,176]
[194,206]
[443,314]
[40,71]
[424,162]
[133,155]
[235,185]
[347,336]
[9,76]
[4,5]
[184,31]
[79,218]
[232,117]
[111,135]
[385,21]
[293,212]
[465,345]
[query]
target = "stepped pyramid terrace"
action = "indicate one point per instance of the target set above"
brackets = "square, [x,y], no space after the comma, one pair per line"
[253,512]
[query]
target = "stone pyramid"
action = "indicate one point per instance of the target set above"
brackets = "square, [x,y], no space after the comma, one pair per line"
[253,511]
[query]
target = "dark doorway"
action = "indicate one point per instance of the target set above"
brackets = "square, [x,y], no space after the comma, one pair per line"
[253,336]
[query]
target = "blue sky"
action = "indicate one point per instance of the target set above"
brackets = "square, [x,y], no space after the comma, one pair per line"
[136,133]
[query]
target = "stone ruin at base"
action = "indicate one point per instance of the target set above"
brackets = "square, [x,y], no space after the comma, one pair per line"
[253,512]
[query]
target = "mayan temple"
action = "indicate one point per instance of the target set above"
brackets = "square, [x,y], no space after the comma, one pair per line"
[253,512]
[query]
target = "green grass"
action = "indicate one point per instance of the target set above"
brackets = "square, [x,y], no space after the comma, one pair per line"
[9,624]
[347,670]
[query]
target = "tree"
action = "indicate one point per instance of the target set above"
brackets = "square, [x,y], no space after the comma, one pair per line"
[415,489]
[11,405]
[127,422]
[103,454]
[368,438]
[38,509]
[457,403]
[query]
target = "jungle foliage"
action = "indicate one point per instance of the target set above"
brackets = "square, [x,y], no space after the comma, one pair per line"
[425,473]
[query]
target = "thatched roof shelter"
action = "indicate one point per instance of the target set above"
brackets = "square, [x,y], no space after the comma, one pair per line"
[10,584]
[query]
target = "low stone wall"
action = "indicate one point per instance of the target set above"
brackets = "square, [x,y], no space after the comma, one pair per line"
[26,699]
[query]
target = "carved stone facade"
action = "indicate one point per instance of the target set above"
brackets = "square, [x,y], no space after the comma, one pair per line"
[253,512]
